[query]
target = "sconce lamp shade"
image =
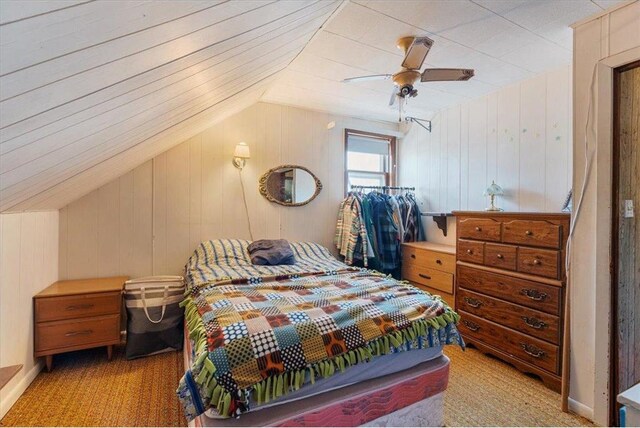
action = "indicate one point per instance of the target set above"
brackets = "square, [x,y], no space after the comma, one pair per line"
[493,190]
[242,151]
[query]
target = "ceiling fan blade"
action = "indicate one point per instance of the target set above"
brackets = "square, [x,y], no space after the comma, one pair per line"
[368,78]
[417,52]
[446,74]
[394,95]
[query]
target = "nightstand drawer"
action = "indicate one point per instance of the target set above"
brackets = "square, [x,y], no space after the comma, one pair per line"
[69,334]
[419,257]
[431,278]
[77,306]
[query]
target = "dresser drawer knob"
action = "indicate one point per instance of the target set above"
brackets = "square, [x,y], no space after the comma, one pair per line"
[528,233]
[471,325]
[478,229]
[469,251]
[438,261]
[534,294]
[532,350]
[413,256]
[474,303]
[77,307]
[536,262]
[500,256]
[79,333]
[421,275]
[534,323]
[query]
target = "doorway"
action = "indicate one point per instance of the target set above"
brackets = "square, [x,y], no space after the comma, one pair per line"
[625,242]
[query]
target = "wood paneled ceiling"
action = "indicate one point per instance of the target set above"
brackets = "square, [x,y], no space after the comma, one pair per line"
[91,89]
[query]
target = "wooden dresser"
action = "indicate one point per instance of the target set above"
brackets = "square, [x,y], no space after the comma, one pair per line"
[510,287]
[430,267]
[77,314]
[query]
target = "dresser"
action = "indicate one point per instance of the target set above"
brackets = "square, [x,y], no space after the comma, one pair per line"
[77,314]
[510,287]
[431,267]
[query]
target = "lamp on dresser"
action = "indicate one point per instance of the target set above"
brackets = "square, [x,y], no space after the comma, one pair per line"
[510,287]
[492,191]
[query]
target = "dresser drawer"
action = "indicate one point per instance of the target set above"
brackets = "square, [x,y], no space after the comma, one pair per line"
[532,232]
[526,348]
[77,306]
[484,229]
[539,262]
[526,320]
[470,251]
[430,277]
[447,297]
[57,335]
[412,256]
[500,256]
[546,298]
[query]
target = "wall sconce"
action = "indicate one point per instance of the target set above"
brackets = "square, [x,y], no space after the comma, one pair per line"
[240,155]
[493,191]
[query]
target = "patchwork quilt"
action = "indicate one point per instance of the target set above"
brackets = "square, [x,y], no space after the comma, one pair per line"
[257,337]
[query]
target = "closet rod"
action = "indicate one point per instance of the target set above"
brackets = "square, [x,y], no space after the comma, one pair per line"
[353,186]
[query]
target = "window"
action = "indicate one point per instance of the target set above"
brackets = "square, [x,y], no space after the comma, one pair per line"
[369,159]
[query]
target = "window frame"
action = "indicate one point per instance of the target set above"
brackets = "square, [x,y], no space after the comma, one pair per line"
[389,176]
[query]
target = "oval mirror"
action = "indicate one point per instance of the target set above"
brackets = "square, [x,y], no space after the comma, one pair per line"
[290,185]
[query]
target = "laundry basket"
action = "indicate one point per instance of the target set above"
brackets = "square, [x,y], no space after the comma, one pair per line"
[154,317]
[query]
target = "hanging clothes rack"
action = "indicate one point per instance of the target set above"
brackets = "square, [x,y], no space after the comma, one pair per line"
[384,188]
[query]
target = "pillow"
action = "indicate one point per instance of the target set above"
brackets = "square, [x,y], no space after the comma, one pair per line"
[271,252]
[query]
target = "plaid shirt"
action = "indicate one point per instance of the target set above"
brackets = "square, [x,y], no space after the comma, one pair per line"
[351,232]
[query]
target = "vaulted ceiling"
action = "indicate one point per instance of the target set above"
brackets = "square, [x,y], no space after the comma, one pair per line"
[91,89]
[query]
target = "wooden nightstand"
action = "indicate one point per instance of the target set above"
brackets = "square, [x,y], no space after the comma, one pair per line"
[431,267]
[77,314]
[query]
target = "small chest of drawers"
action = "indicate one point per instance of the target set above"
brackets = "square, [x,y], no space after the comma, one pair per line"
[77,314]
[510,287]
[431,267]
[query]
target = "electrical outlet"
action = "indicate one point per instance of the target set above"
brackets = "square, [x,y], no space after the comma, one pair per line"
[628,208]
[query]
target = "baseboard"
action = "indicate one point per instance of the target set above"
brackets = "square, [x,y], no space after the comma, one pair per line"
[580,409]
[10,398]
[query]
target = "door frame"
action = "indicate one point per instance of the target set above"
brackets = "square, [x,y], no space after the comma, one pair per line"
[614,343]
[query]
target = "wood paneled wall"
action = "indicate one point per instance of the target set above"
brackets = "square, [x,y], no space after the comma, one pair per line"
[608,40]
[628,247]
[150,220]
[28,263]
[520,136]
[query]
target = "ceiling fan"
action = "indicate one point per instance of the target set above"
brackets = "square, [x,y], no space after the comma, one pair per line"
[415,51]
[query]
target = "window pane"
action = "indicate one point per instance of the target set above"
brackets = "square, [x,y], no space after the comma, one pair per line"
[366,161]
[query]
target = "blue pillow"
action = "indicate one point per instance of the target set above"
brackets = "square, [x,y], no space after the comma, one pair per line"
[271,252]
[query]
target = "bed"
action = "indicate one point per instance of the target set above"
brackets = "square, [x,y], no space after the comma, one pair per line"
[311,344]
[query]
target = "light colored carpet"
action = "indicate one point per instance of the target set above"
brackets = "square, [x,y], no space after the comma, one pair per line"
[484,391]
[84,389]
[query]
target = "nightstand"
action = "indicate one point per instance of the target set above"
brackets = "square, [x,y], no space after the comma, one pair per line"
[431,267]
[77,314]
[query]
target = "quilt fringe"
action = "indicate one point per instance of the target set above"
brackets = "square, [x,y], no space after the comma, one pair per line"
[418,335]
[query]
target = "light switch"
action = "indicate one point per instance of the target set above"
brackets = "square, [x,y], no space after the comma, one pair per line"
[628,208]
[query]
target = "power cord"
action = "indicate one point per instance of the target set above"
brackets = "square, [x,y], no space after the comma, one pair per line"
[246,207]
[588,160]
